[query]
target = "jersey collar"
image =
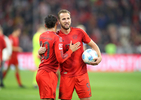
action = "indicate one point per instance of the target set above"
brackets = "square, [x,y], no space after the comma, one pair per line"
[64,33]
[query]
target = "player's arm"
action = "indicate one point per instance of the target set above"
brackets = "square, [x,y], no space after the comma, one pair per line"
[17,49]
[9,45]
[4,44]
[61,57]
[94,46]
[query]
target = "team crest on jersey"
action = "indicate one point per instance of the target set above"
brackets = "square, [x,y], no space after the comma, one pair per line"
[75,36]
[60,46]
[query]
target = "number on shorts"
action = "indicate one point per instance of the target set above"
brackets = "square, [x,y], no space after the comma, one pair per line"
[88,86]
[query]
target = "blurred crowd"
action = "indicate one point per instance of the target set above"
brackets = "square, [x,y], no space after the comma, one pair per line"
[116,22]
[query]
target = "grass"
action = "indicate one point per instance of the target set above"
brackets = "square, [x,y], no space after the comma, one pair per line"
[104,86]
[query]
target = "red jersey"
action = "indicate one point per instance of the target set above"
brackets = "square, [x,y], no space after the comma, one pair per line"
[74,65]
[15,43]
[2,46]
[54,51]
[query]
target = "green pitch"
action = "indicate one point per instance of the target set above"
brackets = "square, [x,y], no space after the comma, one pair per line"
[105,86]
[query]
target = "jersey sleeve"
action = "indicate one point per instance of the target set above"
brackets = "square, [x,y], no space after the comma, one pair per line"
[11,40]
[86,38]
[61,57]
[8,45]
[4,43]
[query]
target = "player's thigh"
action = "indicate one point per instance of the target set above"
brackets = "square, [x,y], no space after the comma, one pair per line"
[82,86]
[66,88]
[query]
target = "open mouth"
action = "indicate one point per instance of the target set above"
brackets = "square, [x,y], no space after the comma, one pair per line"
[67,25]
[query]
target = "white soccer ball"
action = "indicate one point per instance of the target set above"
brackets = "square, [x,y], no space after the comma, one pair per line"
[88,55]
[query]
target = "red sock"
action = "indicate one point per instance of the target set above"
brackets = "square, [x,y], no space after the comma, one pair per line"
[18,78]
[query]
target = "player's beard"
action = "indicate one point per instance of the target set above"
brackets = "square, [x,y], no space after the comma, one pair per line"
[66,28]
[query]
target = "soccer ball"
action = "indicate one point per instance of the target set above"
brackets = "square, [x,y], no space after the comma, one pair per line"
[88,55]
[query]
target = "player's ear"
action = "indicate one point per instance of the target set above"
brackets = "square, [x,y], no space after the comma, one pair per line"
[45,26]
[58,22]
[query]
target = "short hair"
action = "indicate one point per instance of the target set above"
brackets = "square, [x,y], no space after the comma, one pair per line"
[63,11]
[50,21]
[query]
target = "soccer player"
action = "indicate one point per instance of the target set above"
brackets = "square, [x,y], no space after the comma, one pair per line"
[15,50]
[46,76]
[2,46]
[74,71]
[36,47]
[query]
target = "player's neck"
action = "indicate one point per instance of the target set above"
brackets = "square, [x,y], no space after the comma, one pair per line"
[65,31]
[14,34]
[52,29]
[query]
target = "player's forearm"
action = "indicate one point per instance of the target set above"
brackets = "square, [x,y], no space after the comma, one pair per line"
[63,57]
[17,49]
[94,46]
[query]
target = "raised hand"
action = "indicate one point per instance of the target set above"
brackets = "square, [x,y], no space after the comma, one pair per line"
[75,46]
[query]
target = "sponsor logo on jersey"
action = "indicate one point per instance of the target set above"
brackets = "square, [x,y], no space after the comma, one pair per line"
[60,46]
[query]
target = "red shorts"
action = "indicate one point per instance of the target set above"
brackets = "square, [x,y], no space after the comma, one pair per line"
[13,60]
[47,83]
[80,83]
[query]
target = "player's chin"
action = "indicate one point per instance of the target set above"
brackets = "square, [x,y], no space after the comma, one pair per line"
[67,28]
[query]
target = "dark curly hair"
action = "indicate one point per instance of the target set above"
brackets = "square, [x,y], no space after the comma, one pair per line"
[50,21]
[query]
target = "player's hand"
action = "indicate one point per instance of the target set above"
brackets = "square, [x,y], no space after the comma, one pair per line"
[42,50]
[20,49]
[75,46]
[96,61]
